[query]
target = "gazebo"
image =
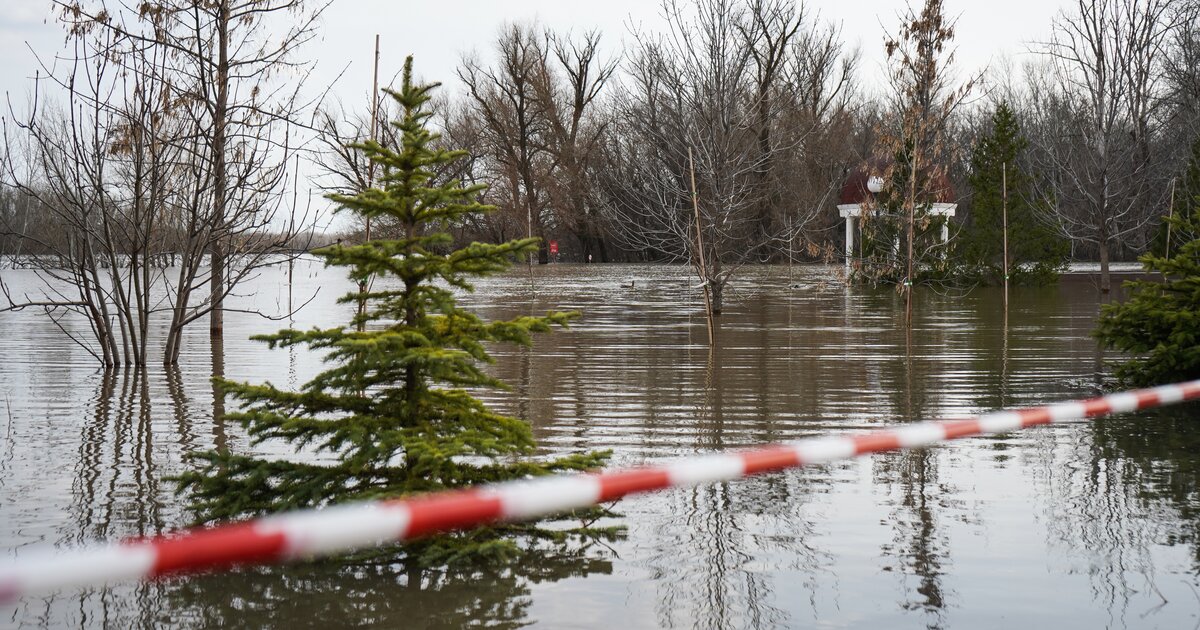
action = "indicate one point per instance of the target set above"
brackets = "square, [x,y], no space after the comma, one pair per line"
[861,185]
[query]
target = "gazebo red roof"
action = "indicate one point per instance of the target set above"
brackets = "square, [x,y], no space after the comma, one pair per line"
[854,188]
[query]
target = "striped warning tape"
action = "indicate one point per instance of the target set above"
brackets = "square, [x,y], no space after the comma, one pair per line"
[311,533]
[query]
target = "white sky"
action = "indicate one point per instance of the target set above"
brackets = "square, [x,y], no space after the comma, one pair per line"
[439,32]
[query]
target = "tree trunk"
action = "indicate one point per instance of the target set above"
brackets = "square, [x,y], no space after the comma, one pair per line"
[1105,279]
[220,437]
[174,343]
[216,321]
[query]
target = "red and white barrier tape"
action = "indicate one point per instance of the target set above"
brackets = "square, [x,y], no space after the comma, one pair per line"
[310,533]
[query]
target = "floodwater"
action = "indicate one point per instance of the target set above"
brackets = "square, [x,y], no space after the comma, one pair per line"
[1079,526]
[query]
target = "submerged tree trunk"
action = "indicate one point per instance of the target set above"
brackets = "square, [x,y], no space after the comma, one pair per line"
[1105,279]
[216,322]
[718,289]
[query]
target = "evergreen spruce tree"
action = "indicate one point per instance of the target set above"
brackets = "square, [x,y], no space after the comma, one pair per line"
[392,407]
[1036,254]
[1160,321]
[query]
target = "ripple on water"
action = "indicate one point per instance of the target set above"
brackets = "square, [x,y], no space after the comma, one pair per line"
[1063,525]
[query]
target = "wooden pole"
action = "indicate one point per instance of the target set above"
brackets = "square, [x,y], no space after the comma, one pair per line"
[529,234]
[292,235]
[912,226]
[700,248]
[1170,216]
[373,135]
[374,124]
[1004,211]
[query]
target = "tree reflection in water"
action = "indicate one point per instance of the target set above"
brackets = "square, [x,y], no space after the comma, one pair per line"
[1129,488]
[916,494]
[1080,526]
[720,548]
[334,593]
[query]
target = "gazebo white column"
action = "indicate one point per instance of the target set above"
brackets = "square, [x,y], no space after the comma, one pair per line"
[851,212]
[849,240]
[944,210]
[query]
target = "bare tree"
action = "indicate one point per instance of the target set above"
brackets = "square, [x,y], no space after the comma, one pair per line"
[169,147]
[567,93]
[462,126]
[341,166]
[99,168]
[723,82]
[1182,71]
[513,122]
[1099,121]
[768,31]
[227,62]
[820,119]
[914,150]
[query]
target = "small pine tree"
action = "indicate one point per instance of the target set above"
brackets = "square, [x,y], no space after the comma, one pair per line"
[1036,254]
[1160,322]
[392,407]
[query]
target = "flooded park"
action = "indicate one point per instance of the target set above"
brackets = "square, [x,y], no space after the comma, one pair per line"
[673,314]
[1083,525]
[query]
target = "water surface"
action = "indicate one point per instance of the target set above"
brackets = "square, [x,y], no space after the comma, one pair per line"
[1081,526]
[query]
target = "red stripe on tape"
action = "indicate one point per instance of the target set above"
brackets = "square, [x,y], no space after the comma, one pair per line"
[770,459]
[1096,407]
[458,510]
[961,428]
[619,484]
[213,548]
[875,442]
[1147,399]
[1036,416]
[1190,391]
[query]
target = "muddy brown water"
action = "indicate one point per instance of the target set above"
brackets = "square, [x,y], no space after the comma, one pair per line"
[1079,526]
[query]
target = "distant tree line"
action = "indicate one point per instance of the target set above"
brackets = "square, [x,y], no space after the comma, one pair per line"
[719,137]
[589,146]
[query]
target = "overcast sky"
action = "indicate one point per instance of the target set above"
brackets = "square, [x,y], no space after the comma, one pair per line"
[439,32]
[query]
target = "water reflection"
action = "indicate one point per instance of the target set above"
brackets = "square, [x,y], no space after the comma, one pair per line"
[375,595]
[220,439]
[181,409]
[1075,526]
[118,488]
[1123,496]
[919,548]
[715,560]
